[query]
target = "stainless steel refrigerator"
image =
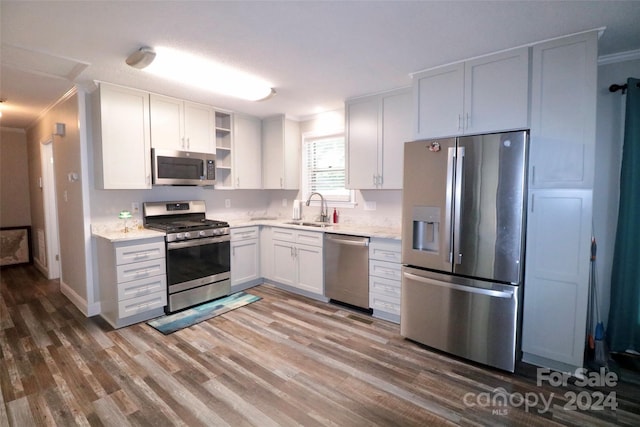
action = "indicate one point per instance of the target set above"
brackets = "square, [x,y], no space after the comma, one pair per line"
[463,245]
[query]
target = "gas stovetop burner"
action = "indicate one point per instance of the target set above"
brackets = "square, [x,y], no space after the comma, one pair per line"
[185,225]
[182,220]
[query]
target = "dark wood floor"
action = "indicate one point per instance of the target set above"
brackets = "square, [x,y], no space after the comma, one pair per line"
[284,360]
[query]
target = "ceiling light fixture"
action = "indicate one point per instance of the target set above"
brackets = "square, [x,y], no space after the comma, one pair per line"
[141,58]
[201,73]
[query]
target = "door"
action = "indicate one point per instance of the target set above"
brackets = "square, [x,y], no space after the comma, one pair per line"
[198,128]
[310,269]
[52,240]
[284,263]
[244,261]
[489,206]
[396,130]
[247,152]
[439,97]
[468,318]
[166,123]
[428,179]
[362,143]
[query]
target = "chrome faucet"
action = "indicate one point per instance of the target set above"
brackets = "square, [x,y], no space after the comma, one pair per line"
[324,215]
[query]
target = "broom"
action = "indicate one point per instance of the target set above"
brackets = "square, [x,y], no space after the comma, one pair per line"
[601,357]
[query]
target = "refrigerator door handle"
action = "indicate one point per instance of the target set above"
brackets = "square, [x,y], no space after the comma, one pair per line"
[457,224]
[464,288]
[448,240]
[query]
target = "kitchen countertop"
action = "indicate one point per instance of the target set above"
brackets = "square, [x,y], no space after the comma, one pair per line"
[116,233]
[351,229]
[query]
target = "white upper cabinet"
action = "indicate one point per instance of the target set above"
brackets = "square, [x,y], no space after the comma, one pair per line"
[181,125]
[563,111]
[280,153]
[121,138]
[247,147]
[487,94]
[377,128]
[438,98]
[362,143]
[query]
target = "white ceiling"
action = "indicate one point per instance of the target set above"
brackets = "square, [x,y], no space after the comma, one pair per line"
[316,53]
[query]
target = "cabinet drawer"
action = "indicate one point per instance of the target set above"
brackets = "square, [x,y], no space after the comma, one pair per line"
[387,270]
[309,238]
[244,233]
[138,288]
[285,234]
[385,287]
[384,303]
[143,252]
[141,304]
[140,270]
[385,250]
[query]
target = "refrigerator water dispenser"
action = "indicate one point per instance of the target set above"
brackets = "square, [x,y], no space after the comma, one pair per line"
[426,228]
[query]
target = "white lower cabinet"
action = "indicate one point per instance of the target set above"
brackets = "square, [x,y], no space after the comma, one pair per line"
[298,260]
[132,280]
[385,278]
[245,256]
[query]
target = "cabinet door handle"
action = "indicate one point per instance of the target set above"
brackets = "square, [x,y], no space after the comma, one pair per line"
[238,182]
[467,121]
[281,182]
[459,121]
[188,143]
[380,180]
[533,174]
[533,199]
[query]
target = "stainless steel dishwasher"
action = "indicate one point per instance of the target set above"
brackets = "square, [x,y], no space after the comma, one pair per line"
[346,269]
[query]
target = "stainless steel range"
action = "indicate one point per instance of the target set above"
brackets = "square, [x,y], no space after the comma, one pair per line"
[198,252]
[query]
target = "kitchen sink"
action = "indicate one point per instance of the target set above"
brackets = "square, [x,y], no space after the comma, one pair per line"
[309,224]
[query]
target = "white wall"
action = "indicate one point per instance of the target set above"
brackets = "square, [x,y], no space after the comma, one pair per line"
[609,141]
[14,179]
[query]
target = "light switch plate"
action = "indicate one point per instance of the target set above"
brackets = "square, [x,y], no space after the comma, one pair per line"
[227,203]
[369,206]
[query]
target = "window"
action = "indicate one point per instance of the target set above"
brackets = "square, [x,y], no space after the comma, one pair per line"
[323,168]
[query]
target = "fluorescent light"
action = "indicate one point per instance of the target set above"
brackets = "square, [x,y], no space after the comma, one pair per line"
[208,75]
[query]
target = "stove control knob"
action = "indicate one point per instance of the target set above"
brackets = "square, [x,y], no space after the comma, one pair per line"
[179,236]
[202,233]
[187,235]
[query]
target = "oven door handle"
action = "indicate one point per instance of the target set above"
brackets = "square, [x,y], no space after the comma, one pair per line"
[198,242]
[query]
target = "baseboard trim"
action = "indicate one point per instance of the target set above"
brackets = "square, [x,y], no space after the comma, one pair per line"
[86,309]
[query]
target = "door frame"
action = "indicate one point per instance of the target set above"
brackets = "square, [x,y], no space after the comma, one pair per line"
[50,207]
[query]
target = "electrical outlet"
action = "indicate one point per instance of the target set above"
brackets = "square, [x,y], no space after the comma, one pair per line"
[369,206]
[227,203]
[135,208]
[284,203]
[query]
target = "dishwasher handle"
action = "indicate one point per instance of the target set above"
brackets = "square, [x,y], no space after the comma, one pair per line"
[362,242]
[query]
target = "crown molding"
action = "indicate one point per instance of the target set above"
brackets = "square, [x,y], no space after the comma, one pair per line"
[613,58]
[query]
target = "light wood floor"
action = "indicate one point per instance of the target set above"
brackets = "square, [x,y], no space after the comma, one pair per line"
[284,360]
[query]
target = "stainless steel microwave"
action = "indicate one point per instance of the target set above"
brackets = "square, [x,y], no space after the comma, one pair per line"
[173,167]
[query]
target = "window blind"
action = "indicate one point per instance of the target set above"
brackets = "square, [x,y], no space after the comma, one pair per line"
[324,168]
